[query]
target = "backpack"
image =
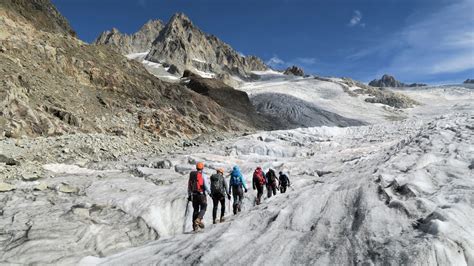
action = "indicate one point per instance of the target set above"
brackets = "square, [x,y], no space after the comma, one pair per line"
[217,185]
[235,180]
[284,180]
[196,182]
[258,177]
[271,177]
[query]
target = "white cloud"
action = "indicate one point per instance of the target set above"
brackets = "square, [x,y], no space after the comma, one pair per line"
[356,19]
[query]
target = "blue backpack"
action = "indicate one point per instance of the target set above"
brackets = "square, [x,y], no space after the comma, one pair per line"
[235,180]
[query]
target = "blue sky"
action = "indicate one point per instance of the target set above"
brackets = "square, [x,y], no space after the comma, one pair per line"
[429,41]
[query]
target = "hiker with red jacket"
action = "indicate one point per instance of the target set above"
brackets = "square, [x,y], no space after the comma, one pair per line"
[236,184]
[258,183]
[197,188]
[272,182]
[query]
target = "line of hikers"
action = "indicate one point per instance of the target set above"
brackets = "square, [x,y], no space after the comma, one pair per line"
[198,186]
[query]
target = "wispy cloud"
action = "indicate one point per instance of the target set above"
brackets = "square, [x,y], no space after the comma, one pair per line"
[276,62]
[440,43]
[356,19]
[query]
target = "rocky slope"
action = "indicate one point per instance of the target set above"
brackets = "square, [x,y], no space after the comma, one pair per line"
[390,81]
[184,45]
[469,81]
[52,83]
[138,42]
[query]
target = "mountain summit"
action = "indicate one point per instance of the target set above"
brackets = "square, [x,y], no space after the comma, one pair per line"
[390,81]
[138,42]
[184,45]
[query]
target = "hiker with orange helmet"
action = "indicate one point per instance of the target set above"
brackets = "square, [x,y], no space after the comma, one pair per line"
[258,183]
[197,188]
[219,190]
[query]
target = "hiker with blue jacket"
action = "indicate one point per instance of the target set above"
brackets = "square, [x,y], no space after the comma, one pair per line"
[219,190]
[237,187]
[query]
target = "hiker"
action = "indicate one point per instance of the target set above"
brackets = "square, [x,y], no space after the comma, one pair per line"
[284,182]
[258,183]
[219,190]
[272,183]
[197,188]
[236,184]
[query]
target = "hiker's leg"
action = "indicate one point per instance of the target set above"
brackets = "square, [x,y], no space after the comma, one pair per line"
[269,191]
[215,202]
[222,200]
[195,207]
[203,206]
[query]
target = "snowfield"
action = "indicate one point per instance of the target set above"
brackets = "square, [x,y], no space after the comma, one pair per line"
[377,192]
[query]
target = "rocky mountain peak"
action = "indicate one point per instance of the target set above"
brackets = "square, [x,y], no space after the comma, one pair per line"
[138,42]
[386,81]
[295,71]
[185,46]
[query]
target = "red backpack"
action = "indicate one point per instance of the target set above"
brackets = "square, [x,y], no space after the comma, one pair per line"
[196,182]
[258,177]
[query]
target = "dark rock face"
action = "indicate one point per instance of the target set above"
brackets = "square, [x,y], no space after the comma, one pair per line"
[386,81]
[184,45]
[469,81]
[390,81]
[42,14]
[417,85]
[234,101]
[295,71]
[140,41]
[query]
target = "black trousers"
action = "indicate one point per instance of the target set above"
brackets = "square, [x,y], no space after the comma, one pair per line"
[215,202]
[283,189]
[199,206]
[271,190]
[238,194]
[259,194]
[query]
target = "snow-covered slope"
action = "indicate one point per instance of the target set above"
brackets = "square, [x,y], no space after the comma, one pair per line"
[303,94]
[391,193]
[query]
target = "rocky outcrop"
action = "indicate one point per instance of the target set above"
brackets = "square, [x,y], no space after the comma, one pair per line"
[413,85]
[184,45]
[390,81]
[386,81]
[469,81]
[295,71]
[138,42]
[234,101]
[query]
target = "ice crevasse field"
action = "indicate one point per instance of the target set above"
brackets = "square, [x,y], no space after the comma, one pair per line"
[379,191]
[386,192]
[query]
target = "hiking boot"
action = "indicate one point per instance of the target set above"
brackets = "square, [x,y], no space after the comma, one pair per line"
[214,222]
[199,223]
[222,220]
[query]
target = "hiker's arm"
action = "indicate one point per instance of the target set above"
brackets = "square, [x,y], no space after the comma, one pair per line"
[226,186]
[243,181]
[230,186]
[253,183]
